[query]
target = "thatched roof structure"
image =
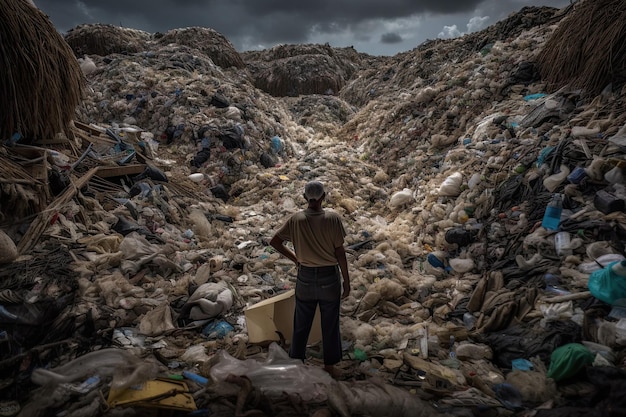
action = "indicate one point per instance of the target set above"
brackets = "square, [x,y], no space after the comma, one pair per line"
[40,79]
[588,49]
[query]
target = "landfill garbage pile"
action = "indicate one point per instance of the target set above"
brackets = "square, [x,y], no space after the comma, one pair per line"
[308,69]
[484,211]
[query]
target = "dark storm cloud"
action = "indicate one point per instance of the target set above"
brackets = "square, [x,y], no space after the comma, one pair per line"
[390,38]
[270,21]
[267,22]
[358,9]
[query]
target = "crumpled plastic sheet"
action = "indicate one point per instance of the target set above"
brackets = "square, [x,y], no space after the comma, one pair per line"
[277,374]
[376,398]
[157,321]
[138,252]
[208,300]
[125,368]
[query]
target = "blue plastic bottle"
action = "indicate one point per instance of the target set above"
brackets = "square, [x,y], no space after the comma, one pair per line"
[552,215]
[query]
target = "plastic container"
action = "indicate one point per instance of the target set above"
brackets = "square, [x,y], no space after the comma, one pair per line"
[474,180]
[607,202]
[577,175]
[552,215]
[469,320]
[424,343]
[195,378]
[434,261]
[562,244]
[452,351]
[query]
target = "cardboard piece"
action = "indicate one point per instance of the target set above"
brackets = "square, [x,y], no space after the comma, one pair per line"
[266,317]
[158,393]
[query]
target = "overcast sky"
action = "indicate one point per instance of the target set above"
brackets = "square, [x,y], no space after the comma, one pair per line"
[376,27]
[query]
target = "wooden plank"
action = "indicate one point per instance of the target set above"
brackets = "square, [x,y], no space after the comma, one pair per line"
[96,139]
[118,171]
[87,128]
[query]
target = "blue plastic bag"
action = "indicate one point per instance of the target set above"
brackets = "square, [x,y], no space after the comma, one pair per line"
[606,285]
[217,329]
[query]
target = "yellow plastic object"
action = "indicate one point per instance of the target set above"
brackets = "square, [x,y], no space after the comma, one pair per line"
[157,393]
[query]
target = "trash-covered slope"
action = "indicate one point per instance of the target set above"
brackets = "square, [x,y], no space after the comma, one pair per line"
[441,161]
[294,70]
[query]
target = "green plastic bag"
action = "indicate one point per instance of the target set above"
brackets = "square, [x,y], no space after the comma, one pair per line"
[567,360]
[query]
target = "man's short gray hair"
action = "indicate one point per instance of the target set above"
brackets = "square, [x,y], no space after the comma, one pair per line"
[313,190]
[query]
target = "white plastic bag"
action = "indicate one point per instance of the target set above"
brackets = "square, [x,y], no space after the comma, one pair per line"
[401,198]
[451,187]
[277,374]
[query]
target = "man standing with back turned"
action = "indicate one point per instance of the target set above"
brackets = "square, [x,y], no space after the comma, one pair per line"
[317,236]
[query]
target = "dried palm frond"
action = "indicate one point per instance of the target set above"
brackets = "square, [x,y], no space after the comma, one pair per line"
[588,49]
